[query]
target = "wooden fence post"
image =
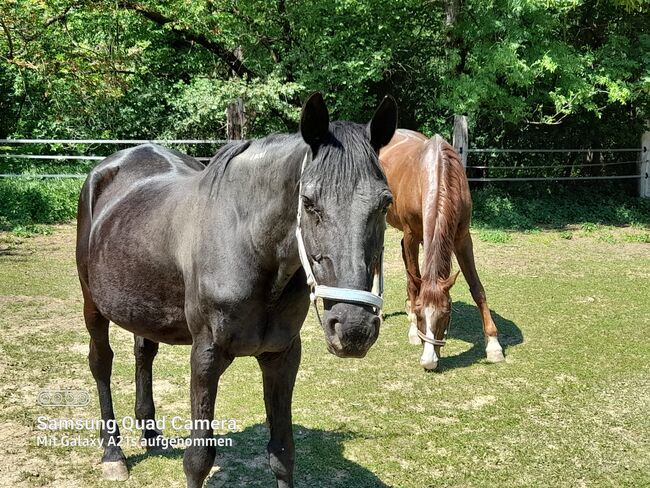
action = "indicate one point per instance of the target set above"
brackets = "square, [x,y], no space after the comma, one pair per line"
[236,120]
[644,182]
[460,139]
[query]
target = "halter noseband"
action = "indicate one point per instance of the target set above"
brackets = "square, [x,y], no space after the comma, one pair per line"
[434,341]
[348,295]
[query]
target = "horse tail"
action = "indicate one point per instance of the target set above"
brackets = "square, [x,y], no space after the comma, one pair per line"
[96,182]
[440,207]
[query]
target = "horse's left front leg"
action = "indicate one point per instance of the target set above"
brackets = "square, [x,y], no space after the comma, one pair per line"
[279,375]
[464,250]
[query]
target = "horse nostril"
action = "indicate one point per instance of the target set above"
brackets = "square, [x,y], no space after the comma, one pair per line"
[331,325]
[376,322]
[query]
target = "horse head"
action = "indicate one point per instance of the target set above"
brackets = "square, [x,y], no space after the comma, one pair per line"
[433,312]
[343,202]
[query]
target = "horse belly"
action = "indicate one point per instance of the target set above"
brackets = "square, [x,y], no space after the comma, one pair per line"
[142,296]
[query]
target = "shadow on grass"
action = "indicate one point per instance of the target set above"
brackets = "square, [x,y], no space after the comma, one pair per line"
[319,460]
[466,325]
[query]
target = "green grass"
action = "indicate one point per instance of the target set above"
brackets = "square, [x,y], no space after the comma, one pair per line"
[568,407]
[493,235]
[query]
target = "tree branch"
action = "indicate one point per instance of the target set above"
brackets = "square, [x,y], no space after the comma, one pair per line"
[58,18]
[10,44]
[228,57]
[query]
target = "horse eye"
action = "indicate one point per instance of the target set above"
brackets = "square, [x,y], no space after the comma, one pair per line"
[311,208]
[385,204]
[307,203]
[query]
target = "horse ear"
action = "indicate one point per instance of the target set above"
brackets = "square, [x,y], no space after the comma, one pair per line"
[384,123]
[449,282]
[314,120]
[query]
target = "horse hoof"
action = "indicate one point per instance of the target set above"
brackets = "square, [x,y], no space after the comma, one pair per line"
[430,367]
[495,356]
[493,350]
[413,336]
[115,471]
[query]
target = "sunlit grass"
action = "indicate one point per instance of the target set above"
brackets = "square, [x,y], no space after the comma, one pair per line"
[567,408]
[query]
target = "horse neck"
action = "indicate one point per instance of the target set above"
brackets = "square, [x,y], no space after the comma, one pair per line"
[259,192]
[440,213]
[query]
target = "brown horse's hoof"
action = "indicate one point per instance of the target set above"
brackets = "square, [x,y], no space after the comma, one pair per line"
[115,471]
[495,357]
[493,350]
[414,339]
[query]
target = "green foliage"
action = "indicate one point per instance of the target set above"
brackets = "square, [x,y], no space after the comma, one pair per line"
[496,208]
[529,73]
[25,202]
[494,236]
[643,238]
[521,69]
[31,230]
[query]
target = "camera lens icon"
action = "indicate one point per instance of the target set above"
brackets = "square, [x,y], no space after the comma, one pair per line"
[63,398]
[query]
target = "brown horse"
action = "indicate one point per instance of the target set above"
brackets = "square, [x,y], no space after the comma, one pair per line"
[432,205]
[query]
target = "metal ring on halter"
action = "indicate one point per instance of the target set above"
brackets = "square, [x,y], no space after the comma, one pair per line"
[349,295]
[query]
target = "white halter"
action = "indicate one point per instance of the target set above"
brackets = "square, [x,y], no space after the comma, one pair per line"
[335,293]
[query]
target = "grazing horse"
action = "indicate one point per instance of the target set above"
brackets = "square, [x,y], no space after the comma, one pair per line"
[177,253]
[433,206]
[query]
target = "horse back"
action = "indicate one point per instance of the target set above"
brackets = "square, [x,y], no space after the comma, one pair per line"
[401,162]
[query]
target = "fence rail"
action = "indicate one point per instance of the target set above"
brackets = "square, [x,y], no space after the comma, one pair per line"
[498,150]
[489,151]
[113,141]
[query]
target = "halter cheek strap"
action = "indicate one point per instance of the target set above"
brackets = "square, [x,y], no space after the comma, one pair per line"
[348,295]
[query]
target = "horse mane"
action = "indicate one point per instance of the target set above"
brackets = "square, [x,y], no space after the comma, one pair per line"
[345,158]
[217,166]
[440,217]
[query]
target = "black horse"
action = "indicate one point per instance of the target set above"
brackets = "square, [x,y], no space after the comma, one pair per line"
[177,253]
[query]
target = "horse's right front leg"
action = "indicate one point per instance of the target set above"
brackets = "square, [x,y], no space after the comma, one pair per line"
[207,364]
[410,251]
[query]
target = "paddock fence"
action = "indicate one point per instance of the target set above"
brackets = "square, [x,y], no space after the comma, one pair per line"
[482,164]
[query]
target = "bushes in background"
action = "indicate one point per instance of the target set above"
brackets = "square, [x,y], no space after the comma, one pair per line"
[524,210]
[31,201]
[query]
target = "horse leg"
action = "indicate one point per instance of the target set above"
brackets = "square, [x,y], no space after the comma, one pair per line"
[410,251]
[207,366]
[279,376]
[145,351]
[464,250]
[100,360]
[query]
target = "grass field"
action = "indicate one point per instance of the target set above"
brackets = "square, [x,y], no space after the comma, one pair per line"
[569,407]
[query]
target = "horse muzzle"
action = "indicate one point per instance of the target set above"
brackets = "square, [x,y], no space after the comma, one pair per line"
[350,329]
